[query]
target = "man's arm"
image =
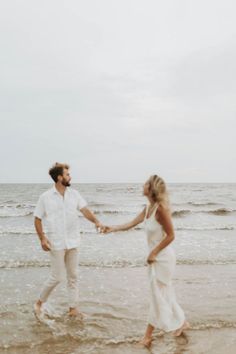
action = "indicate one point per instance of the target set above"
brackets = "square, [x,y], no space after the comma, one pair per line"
[88,214]
[45,243]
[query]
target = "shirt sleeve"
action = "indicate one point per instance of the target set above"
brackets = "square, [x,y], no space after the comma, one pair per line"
[39,211]
[81,202]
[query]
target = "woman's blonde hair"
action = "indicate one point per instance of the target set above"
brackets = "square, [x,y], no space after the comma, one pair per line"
[158,191]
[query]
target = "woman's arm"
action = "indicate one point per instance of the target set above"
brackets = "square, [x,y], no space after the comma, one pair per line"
[139,218]
[163,216]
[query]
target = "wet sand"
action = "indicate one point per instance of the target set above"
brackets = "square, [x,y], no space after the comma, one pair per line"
[113,280]
[115,301]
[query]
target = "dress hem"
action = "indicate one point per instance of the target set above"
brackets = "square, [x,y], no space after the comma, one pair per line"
[166,330]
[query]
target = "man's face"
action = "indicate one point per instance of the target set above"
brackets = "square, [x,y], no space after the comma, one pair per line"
[66,178]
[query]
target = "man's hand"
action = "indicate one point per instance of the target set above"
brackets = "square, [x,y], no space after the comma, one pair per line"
[152,257]
[100,227]
[45,243]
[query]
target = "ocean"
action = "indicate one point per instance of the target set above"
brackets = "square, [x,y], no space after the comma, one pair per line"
[113,284]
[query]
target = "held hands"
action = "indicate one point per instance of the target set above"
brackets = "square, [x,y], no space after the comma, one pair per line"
[106,229]
[103,229]
[109,229]
[152,257]
[45,243]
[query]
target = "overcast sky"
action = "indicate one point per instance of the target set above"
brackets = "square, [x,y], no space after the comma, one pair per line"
[118,89]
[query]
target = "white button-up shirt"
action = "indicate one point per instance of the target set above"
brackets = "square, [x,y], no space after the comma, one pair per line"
[60,217]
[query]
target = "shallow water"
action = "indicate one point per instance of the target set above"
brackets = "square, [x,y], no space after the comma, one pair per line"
[113,275]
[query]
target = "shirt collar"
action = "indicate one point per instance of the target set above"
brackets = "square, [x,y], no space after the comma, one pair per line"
[57,192]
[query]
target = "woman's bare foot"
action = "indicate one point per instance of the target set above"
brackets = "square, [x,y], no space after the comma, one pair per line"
[37,309]
[75,313]
[179,331]
[146,342]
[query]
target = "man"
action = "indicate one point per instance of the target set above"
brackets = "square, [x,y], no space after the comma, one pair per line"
[58,209]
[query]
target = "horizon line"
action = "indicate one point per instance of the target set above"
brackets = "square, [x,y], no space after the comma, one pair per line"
[118,182]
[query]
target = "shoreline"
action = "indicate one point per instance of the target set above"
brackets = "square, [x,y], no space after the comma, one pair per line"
[115,301]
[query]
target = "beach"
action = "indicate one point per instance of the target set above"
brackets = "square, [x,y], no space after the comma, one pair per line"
[113,283]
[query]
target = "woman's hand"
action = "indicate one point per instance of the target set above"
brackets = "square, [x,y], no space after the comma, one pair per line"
[152,257]
[109,229]
[100,227]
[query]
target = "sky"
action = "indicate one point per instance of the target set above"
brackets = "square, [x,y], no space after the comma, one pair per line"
[119,90]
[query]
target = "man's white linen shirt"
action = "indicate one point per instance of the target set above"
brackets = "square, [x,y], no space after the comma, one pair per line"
[60,217]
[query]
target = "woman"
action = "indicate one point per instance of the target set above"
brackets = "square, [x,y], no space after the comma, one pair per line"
[164,311]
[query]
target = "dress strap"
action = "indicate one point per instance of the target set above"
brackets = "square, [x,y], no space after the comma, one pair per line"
[153,211]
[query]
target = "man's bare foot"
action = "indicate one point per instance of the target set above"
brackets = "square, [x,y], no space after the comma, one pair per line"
[179,331]
[75,313]
[145,342]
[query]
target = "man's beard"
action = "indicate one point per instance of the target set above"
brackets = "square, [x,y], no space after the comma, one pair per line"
[65,183]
